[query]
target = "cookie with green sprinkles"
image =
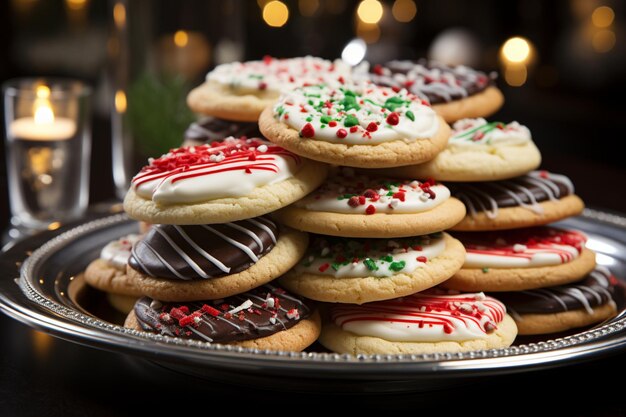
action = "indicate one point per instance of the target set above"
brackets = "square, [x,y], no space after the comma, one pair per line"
[355,204]
[357,271]
[355,124]
[479,150]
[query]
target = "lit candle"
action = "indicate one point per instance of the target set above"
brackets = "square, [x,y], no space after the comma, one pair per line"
[43,125]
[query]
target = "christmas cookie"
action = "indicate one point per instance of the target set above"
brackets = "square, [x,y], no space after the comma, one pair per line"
[108,273]
[225,181]
[241,90]
[454,92]
[264,318]
[198,262]
[479,151]
[210,129]
[522,259]
[538,198]
[555,309]
[340,270]
[358,125]
[353,204]
[419,324]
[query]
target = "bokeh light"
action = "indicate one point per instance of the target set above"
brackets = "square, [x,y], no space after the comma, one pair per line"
[516,50]
[603,40]
[404,10]
[354,52]
[603,17]
[370,11]
[275,13]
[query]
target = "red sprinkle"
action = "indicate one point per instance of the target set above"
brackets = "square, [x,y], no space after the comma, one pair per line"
[369,193]
[422,259]
[393,119]
[262,85]
[341,133]
[332,123]
[361,199]
[354,129]
[267,59]
[370,209]
[210,310]
[324,267]
[353,201]
[308,131]
[372,127]
[400,196]
[186,321]
[378,69]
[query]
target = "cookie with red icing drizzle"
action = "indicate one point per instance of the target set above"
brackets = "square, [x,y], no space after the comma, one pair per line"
[522,259]
[220,182]
[431,322]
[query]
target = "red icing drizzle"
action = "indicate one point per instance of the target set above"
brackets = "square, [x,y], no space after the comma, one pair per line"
[447,311]
[536,240]
[227,155]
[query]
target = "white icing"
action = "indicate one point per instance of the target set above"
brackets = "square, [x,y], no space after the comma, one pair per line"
[278,75]
[417,319]
[424,125]
[211,184]
[359,269]
[537,257]
[477,133]
[117,252]
[415,199]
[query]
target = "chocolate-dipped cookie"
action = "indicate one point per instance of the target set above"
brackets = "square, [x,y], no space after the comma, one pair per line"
[537,198]
[354,204]
[560,308]
[435,322]
[454,92]
[343,270]
[198,262]
[210,129]
[521,259]
[266,317]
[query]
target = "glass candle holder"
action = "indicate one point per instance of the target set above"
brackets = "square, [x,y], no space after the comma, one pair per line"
[48,149]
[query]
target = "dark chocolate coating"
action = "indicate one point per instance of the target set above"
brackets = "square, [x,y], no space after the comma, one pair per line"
[166,250]
[216,324]
[467,80]
[211,129]
[596,288]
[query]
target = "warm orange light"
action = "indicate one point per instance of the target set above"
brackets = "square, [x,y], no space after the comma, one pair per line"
[370,33]
[120,101]
[603,40]
[516,75]
[275,13]
[76,4]
[119,15]
[370,11]
[404,10]
[181,38]
[516,50]
[602,17]
[42,109]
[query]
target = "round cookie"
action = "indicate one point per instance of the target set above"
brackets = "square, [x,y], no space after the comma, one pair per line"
[419,324]
[357,125]
[108,273]
[521,259]
[222,182]
[266,318]
[534,199]
[353,204]
[556,309]
[210,129]
[199,262]
[340,270]
[479,151]
[241,90]
[454,92]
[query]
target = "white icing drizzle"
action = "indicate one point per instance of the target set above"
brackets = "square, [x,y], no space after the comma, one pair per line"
[233,242]
[180,252]
[476,133]
[198,249]
[117,252]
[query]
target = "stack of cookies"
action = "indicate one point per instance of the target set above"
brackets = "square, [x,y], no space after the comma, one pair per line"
[331,202]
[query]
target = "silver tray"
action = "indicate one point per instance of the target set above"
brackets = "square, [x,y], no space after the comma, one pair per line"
[42,299]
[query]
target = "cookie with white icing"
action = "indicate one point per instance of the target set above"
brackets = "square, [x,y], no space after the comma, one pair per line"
[479,151]
[556,309]
[537,198]
[342,270]
[419,324]
[240,91]
[354,204]
[355,124]
[455,93]
[108,272]
[521,259]
[200,262]
[266,317]
[225,181]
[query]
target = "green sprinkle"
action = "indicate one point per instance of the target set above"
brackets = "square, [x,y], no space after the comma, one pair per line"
[280,110]
[326,119]
[306,264]
[372,102]
[350,103]
[387,258]
[255,76]
[392,103]
[410,115]
[397,266]
[309,119]
[485,270]
[312,95]
[335,266]
[322,126]
[350,121]
[370,264]
[390,193]
[310,102]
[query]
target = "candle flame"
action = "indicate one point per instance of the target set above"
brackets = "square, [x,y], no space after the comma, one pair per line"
[42,108]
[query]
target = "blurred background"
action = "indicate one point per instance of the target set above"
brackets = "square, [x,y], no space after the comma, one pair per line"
[562,64]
